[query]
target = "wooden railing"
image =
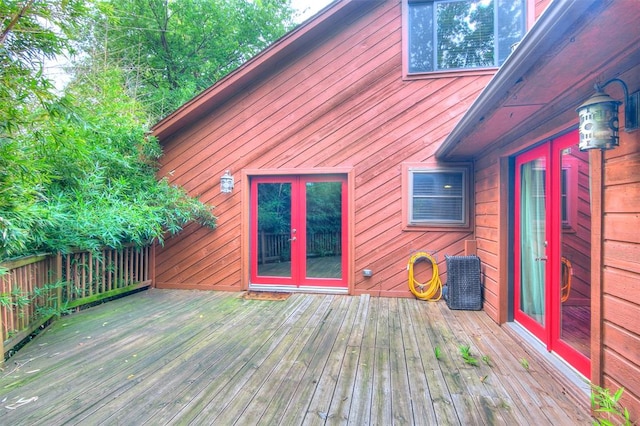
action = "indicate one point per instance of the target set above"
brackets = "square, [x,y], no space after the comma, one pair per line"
[36,288]
[277,247]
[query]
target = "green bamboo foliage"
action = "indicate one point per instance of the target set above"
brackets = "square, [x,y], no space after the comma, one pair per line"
[77,169]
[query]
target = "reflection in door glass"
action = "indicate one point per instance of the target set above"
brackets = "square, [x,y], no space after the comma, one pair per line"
[575,237]
[324,229]
[274,229]
[533,244]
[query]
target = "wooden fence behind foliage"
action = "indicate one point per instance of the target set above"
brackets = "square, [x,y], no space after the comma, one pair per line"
[36,288]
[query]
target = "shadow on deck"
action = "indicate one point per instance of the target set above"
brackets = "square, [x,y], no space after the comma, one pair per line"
[163,357]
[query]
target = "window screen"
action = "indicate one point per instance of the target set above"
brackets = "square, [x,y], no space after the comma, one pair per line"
[438,197]
[462,34]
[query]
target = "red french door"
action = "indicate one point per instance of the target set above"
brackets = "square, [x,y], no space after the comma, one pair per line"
[299,232]
[552,295]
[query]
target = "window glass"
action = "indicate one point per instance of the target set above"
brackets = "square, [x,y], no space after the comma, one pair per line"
[438,197]
[462,34]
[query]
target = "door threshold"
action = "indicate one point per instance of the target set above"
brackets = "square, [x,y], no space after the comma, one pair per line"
[298,289]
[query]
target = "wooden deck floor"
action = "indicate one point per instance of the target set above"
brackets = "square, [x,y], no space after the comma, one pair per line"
[186,357]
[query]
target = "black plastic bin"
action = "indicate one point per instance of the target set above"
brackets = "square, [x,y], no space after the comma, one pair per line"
[464,287]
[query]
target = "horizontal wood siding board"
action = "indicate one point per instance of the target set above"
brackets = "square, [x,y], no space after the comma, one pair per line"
[623,198]
[624,342]
[622,255]
[627,374]
[622,313]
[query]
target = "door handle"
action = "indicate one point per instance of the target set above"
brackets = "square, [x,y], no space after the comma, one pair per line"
[292,239]
[543,258]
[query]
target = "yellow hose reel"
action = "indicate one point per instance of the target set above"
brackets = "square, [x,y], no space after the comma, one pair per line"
[431,290]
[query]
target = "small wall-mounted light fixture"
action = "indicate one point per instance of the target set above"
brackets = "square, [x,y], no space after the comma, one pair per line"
[599,118]
[226,183]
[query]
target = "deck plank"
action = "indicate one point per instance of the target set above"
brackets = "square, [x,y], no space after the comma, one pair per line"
[401,394]
[300,381]
[420,396]
[311,405]
[340,403]
[187,357]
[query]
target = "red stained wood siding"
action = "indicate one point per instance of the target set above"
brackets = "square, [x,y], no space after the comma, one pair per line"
[342,104]
[616,249]
[620,334]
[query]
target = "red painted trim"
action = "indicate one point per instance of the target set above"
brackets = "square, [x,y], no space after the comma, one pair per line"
[567,352]
[550,333]
[298,222]
[533,326]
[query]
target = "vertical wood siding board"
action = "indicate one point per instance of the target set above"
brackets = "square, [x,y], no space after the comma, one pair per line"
[90,274]
[142,275]
[23,312]
[104,263]
[10,310]
[3,309]
[278,90]
[126,266]
[137,265]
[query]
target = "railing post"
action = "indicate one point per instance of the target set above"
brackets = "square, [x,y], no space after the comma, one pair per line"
[1,343]
[59,282]
[152,264]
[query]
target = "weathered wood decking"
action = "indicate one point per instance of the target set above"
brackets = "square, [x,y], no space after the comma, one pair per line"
[180,357]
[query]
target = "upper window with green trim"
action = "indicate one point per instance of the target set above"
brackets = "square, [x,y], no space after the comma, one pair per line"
[450,35]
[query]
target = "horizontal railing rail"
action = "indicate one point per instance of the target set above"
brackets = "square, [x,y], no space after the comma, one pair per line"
[36,288]
[277,247]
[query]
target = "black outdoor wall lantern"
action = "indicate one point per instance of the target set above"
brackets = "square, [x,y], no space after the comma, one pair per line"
[599,117]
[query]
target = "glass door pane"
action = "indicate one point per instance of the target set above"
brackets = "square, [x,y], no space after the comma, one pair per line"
[274,230]
[323,225]
[575,242]
[533,241]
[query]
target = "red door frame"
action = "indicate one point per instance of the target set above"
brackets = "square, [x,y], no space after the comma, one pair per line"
[541,332]
[550,333]
[298,276]
[577,359]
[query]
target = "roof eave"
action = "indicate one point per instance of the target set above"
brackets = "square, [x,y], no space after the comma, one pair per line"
[545,33]
[289,44]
